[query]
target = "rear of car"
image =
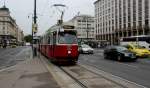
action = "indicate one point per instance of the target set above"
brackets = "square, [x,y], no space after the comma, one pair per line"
[119,53]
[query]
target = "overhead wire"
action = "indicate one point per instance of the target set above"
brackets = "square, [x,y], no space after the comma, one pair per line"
[45,7]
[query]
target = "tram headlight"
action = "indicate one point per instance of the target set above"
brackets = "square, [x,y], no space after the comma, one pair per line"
[69,52]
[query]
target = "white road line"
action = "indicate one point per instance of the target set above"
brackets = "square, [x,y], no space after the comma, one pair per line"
[129,81]
[10,67]
[111,76]
[7,68]
[129,65]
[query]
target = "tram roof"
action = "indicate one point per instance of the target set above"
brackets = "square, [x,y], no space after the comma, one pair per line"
[65,25]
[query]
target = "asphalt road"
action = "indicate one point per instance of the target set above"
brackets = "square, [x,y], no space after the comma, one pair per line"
[11,56]
[137,72]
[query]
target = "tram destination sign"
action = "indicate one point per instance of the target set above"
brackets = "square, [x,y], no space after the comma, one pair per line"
[68,27]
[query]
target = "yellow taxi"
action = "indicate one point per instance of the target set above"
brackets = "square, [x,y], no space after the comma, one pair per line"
[138,50]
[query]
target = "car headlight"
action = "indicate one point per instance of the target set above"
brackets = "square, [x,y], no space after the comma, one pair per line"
[69,52]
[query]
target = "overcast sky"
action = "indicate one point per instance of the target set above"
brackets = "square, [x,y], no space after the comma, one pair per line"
[47,14]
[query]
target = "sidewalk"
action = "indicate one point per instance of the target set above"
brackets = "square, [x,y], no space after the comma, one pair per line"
[27,74]
[33,73]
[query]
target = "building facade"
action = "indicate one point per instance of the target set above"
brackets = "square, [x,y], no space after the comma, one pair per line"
[84,24]
[121,18]
[9,30]
[20,37]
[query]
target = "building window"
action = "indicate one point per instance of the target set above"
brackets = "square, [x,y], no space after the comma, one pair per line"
[140,9]
[146,12]
[134,10]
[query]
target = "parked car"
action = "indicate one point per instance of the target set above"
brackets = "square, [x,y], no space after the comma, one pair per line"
[138,50]
[27,44]
[119,53]
[86,49]
[13,46]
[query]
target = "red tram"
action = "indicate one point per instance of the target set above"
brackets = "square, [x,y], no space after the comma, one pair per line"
[60,45]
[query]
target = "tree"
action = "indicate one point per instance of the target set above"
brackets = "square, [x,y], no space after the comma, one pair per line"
[28,38]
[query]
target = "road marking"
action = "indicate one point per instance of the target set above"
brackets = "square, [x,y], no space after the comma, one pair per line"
[110,76]
[129,65]
[12,66]
[85,58]
[7,68]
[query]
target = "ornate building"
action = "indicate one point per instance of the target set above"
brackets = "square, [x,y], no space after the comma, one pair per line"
[9,30]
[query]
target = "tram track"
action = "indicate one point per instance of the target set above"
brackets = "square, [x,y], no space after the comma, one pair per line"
[81,77]
[75,79]
[89,79]
[115,79]
[103,76]
[78,77]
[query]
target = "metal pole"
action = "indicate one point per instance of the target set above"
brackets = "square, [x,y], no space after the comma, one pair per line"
[32,35]
[34,42]
[35,12]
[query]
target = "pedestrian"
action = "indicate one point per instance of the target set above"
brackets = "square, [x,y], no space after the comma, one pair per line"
[4,44]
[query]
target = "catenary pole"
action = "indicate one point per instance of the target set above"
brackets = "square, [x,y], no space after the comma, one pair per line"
[34,42]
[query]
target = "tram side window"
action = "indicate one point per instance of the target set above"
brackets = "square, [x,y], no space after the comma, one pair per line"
[49,40]
[54,38]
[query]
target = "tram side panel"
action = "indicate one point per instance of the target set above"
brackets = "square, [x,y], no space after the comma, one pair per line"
[61,53]
[47,49]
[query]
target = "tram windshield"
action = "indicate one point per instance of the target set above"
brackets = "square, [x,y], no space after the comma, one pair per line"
[67,38]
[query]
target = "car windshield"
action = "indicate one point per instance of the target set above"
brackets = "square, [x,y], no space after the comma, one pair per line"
[67,38]
[85,46]
[120,48]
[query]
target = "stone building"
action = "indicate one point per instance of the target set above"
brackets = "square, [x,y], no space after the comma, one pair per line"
[20,37]
[9,30]
[84,24]
[121,18]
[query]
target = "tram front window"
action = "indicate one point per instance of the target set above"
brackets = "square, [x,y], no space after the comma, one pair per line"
[67,38]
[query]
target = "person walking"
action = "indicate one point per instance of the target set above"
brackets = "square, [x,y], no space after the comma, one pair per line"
[4,44]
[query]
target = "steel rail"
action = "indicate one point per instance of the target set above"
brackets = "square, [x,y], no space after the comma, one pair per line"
[75,79]
[101,75]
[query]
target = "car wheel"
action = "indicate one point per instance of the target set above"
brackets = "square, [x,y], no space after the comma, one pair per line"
[119,58]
